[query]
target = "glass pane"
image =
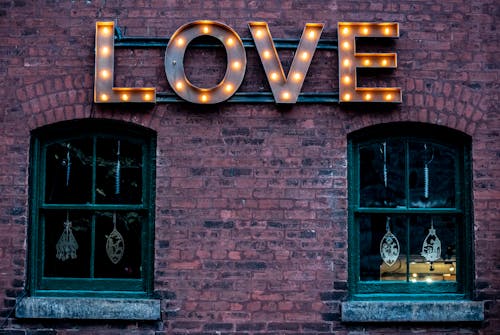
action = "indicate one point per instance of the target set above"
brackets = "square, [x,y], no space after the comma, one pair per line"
[432,175]
[382,245]
[119,171]
[118,248]
[433,251]
[67,244]
[69,172]
[382,174]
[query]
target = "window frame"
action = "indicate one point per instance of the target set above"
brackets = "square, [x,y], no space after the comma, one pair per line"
[41,138]
[391,290]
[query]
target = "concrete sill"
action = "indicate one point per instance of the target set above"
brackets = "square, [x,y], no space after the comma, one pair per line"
[88,308]
[413,311]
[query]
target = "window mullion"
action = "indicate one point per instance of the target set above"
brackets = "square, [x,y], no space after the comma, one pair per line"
[92,247]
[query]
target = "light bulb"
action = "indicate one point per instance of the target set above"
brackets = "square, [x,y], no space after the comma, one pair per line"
[312,34]
[365,31]
[228,87]
[297,76]
[274,76]
[388,96]
[346,79]
[230,41]
[347,97]
[384,62]
[368,96]
[147,96]
[106,31]
[104,97]
[366,62]
[204,98]
[259,33]
[236,65]
[180,42]
[179,85]
[205,29]
[387,31]
[266,54]
[345,31]
[125,97]
[346,62]
[285,95]
[104,74]
[304,55]
[346,45]
[104,51]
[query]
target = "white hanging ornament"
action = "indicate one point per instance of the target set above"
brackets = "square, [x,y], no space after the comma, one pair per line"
[117,170]
[389,246]
[385,164]
[66,246]
[431,248]
[115,244]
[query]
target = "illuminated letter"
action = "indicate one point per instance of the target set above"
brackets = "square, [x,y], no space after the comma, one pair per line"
[174,62]
[350,60]
[285,90]
[104,92]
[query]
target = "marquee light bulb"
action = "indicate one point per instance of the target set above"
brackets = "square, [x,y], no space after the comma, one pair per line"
[297,76]
[384,62]
[274,76]
[179,85]
[346,62]
[368,96]
[147,96]
[104,97]
[387,31]
[366,62]
[230,42]
[285,95]
[266,54]
[104,74]
[105,31]
[365,31]
[236,65]
[105,51]
[180,42]
[304,55]
[125,97]
[388,96]
[346,45]
[347,97]
[346,80]
[345,31]
[204,98]
[228,87]
[259,33]
[312,34]
[205,29]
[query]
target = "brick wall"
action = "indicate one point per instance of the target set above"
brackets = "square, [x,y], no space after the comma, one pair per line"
[251,219]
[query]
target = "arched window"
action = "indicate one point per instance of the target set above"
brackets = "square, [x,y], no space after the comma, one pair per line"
[92,209]
[409,212]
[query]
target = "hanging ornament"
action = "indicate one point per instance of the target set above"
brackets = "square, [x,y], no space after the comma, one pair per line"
[389,246]
[431,248]
[117,170]
[115,245]
[68,164]
[426,174]
[384,153]
[66,246]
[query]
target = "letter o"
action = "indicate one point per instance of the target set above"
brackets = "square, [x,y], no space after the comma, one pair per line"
[174,62]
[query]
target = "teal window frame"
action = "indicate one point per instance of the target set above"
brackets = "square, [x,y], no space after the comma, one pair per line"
[41,138]
[399,290]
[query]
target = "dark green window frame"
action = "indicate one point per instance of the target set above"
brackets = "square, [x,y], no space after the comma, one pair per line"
[40,285]
[461,210]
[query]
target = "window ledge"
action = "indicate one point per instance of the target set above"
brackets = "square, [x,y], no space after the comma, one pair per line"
[413,311]
[88,308]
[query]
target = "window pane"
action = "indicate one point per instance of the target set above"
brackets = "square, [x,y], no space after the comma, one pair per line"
[118,248]
[67,245]
[69,172]
[382,239]
[382,174]
[119,171]
[433,252]
[432,175]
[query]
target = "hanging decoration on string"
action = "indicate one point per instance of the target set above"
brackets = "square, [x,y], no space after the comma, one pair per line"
[67,246]
[68,164]
[117,170]
[431,248]
[384,153]
[389,246]
[115,245]
[426,173]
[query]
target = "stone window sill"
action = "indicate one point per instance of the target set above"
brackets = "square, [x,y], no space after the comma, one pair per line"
[413,311]
[88,308]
